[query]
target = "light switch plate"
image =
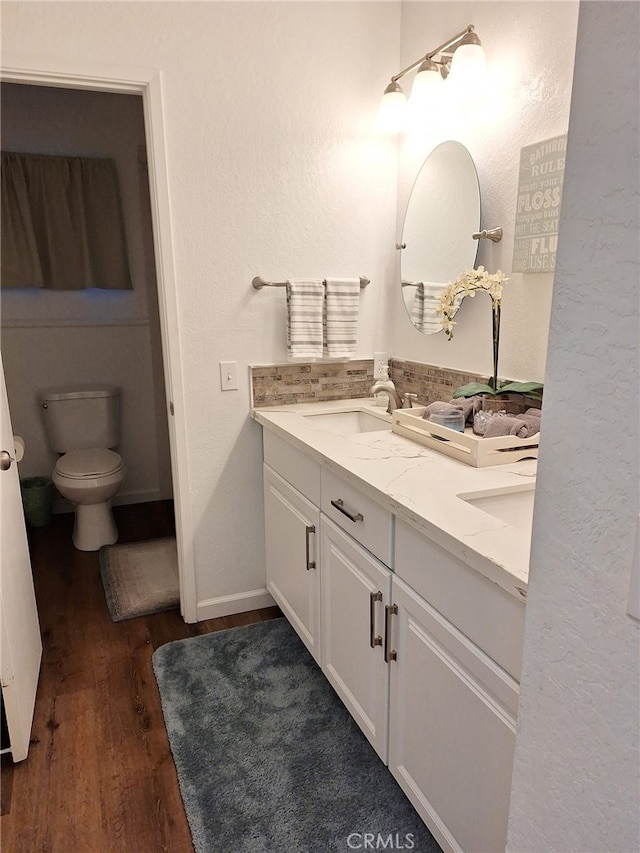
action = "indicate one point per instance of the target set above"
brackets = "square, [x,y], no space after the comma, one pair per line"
[229,375]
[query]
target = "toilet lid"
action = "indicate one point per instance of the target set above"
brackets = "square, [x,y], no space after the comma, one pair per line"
[79,464]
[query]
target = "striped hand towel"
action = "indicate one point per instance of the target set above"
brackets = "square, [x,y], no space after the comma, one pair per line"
[305,302]
[424,314]
[417,304]
[341,329]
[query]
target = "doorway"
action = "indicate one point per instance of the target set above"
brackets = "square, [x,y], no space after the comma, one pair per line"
[70,338]
[145,86]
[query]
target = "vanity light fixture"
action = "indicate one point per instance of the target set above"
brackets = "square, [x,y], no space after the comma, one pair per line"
[461,58]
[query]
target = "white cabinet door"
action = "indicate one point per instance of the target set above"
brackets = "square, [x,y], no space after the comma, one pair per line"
[452,727]
[355,587]
[292,533]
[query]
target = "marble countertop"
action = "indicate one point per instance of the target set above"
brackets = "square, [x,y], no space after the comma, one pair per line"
[418,485]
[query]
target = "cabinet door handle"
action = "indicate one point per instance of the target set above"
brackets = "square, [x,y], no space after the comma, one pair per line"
[311,564]
[389,653]
[373,639]
[339,505]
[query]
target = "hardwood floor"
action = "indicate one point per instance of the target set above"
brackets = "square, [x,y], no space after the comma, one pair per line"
[100,776]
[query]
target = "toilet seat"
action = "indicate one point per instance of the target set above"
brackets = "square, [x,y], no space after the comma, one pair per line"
[86,464]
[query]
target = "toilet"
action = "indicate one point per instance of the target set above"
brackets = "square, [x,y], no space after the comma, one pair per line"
[83,426]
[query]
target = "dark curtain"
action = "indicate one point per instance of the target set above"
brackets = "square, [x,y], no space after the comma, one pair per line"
[62,225]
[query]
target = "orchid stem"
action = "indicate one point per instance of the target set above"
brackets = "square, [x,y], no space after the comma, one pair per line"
[496,342]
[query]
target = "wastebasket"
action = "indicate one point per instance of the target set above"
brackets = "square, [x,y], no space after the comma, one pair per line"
[37,500]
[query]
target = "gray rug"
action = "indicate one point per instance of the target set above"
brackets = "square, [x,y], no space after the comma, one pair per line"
[268,758]
[140,578]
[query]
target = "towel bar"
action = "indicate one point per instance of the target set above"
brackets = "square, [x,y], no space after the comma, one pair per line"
[258,282]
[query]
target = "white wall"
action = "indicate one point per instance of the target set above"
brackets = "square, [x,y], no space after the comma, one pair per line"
[576,780]
[66,338]
[273,170]
[530,50]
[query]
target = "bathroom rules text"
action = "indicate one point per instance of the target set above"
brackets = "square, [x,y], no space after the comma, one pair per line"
[538,209]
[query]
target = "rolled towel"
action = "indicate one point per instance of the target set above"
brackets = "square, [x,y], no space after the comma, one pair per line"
[536,413]
[481,421]
[469,406]
[440,408]
[506,425]
[532,422]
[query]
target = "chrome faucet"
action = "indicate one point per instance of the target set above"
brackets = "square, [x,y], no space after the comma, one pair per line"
[389,388]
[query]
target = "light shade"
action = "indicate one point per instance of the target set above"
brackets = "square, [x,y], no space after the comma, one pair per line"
[468,61]
[426,87]
[460,58]
[392,113]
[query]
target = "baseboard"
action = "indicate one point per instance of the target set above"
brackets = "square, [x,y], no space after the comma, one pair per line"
[227,605]
[139,497]
[61,504]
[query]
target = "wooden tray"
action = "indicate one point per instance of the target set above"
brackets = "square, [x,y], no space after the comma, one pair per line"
[466,447]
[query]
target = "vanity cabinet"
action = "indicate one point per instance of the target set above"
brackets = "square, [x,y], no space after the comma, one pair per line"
[481,610]
[436,707]
[454,690]
[356,548]
[358,515]
[292,530]
[355,586]
[452,724]
[423,650]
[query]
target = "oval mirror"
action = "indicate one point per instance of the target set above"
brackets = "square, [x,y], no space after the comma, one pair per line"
[442,214]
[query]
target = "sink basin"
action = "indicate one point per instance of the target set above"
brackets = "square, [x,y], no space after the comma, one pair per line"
[514,507]
[349,423]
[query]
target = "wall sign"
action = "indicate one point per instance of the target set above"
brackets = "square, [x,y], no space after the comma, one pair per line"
[538,210]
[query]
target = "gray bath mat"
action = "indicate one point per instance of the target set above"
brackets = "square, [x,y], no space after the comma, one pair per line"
[268,758]
[140,578]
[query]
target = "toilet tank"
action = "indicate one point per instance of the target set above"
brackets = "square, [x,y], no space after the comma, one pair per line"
[81,418]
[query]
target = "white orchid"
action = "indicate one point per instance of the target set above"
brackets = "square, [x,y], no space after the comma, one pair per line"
[467,284]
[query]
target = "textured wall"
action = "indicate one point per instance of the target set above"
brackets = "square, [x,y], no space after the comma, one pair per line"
[273,170]
[64,338]
[530,50]
[576,780]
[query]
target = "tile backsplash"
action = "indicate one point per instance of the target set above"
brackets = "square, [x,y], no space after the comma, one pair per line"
[280,384]
[429,382]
